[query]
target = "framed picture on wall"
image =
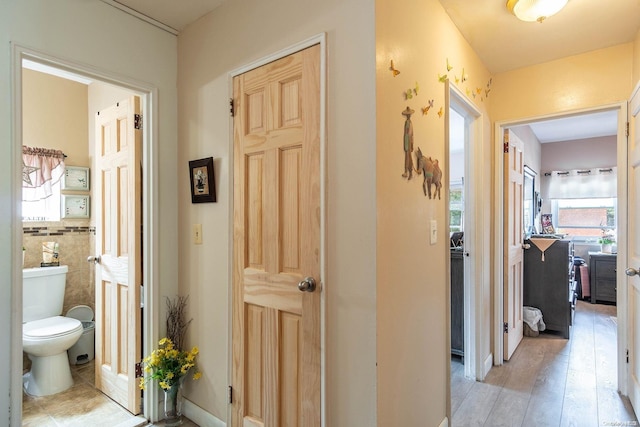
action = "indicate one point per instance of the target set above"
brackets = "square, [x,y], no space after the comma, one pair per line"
[75,206]
[203,186]
[75,178]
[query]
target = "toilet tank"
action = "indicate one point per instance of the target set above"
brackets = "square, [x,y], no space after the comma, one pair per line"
[43,292]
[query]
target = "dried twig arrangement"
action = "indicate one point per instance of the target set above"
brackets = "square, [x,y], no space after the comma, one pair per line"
[176,323]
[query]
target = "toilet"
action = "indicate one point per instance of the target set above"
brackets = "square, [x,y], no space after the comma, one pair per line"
[46,335]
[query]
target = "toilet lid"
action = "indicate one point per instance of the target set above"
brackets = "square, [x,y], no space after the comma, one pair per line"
[81,312]
[50,327]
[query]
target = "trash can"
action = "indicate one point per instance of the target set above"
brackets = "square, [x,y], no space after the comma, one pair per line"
[533,323]
[83,351]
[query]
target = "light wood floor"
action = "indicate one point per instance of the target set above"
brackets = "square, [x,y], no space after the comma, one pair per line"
[550,381]
[80,406]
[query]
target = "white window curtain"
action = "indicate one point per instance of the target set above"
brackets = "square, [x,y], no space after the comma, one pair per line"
[41,168]
[582,183]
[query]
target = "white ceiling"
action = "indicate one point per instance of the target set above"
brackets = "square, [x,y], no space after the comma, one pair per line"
[504,43]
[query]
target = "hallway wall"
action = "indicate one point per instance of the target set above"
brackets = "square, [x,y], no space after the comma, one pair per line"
[412,292]
[232,36]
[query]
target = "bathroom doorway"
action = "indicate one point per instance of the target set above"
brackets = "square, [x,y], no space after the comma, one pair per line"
[101,92]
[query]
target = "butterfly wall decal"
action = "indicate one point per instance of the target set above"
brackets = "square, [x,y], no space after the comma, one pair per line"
[449,67]
[463,78]
[425,110]
[393,69]
[443,78]
[409,93]
[440,112]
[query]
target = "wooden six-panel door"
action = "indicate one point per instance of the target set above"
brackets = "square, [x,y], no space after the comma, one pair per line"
[118,278]
[633,252]
[276,327]
[513,239]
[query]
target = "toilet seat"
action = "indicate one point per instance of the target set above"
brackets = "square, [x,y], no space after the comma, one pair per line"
[51,327]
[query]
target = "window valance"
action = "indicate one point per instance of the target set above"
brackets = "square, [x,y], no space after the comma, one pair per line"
[582,183]
[41,168]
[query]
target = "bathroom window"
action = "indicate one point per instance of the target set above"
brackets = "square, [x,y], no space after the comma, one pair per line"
[47,209]
[42,169]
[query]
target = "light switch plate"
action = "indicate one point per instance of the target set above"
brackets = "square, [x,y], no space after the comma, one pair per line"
[433,233]
[197,234]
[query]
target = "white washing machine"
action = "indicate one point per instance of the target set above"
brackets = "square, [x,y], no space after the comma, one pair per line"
[83,351]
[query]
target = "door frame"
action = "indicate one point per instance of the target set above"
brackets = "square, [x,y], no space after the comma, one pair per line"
[473,239]
[320,39]
[622,307]
[151,293]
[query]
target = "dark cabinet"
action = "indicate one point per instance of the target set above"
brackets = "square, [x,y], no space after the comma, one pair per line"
[457,303]
[549,283]
[602,277]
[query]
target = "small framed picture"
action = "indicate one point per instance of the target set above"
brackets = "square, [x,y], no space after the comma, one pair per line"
[203,186]
[75,206]
[75,178]
[547,224]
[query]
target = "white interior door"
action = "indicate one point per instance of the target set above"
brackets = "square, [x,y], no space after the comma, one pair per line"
[513,255]
[633,252]
[118,275]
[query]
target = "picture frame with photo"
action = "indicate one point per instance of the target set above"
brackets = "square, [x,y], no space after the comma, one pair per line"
[203,186]
[546,221]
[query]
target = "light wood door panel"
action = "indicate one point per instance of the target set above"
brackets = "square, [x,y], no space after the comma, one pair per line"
[513,256]
[276,327]
[118,274]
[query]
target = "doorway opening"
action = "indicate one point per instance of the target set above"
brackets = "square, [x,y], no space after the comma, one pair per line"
[464,136]
[543,159]
[27,64]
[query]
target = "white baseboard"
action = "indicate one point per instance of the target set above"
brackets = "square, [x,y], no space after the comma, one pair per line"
[488,364]
[444,423]
[199,415]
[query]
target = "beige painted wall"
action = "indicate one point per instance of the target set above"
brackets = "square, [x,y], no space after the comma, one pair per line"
[636,60]
[54,112]
[588,80]
[234,35]
[412,296]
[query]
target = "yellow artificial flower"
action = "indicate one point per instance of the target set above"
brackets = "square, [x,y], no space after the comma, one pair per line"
[168,365]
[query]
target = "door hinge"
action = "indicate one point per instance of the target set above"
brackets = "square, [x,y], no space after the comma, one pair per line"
[139,370]
[505,327]
[137,121]
[627,130]
[230,394]
[232,111]
[627,355]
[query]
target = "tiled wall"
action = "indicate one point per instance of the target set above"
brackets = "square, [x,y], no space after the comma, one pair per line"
[76,243]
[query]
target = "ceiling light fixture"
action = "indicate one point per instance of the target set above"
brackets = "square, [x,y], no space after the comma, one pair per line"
[535,10]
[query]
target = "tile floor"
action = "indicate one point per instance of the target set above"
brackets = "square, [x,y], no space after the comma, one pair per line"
[550,381]
[80,406]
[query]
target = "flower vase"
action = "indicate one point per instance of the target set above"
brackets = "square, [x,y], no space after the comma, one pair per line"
[606,248]
[173,405]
